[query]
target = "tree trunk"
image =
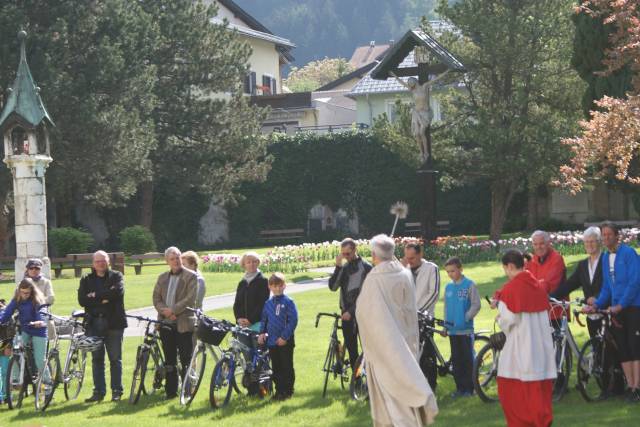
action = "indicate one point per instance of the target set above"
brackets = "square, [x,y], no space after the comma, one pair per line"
[146,213]
[532,209]
[501,196]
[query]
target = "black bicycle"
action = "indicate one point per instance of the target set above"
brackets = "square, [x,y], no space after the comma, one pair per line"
[150,372]
[595,372]
[336,363]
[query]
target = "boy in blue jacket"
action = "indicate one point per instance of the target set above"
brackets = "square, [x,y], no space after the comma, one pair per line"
[461,304]
[5,352]
[279,321]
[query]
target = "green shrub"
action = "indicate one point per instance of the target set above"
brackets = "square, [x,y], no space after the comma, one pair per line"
[67,240]
[137,240]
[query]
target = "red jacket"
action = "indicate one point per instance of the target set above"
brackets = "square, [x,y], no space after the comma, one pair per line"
[550,272]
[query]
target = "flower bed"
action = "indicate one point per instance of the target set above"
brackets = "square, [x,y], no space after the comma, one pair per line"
[298,258]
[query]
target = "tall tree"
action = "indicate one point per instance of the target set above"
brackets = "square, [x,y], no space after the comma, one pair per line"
[519,97]
[589,46]
[207,134]
[610,140]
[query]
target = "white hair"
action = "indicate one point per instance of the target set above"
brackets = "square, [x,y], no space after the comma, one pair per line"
[383,247]
[101,253]
[539,233]
[593,232]
[172,250]
[248,255]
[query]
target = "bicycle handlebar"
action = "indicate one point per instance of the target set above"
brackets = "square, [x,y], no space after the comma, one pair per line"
[147,319]
[334,315]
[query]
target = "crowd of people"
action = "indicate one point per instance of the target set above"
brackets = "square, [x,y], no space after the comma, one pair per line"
[379,305]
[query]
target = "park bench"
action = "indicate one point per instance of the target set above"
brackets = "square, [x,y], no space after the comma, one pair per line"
[78,262]
[414,228]
[285,234]
[142,260]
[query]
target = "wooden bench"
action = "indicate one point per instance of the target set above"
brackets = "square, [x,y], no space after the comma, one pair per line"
[77,262]
[137,266]
[286,234]
[415,228]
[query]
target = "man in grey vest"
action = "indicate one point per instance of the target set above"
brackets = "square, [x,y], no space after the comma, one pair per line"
[348,276]
[427,280]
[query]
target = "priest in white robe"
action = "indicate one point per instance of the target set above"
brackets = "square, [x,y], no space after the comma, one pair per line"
[387,318]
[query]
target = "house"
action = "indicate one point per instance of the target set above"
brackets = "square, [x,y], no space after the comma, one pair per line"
[269,51]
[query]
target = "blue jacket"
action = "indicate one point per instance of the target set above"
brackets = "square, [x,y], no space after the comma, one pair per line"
[27,313]
[457,307]
[279,319]
[624,287]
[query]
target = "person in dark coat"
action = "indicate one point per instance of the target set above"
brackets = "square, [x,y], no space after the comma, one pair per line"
[588,276]
[348,276]
[101,293]
[251,296]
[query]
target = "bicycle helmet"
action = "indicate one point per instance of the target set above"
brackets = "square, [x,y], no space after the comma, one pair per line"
[89,343]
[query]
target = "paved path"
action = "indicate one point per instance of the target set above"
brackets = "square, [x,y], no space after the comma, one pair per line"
[216,302]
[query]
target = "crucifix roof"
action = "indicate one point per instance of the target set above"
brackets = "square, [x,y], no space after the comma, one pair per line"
[24,100]
[404,47]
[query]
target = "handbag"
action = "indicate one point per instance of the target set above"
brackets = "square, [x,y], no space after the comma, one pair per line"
[497,340]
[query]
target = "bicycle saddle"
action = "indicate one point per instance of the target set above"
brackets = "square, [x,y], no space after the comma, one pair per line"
[77,314]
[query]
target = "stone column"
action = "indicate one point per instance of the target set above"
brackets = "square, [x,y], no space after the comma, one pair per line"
[30,210]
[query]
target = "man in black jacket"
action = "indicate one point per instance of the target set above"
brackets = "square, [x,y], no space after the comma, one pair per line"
[588,276]
[101,293]
[348,276]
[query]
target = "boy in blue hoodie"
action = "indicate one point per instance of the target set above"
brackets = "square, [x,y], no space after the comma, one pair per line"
[461,304]
[279,321]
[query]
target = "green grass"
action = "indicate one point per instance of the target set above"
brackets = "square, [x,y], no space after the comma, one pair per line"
[307,408]
[139,288]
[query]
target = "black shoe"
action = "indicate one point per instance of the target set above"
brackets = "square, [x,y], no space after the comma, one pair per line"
[633,396]
[94,398]
[116,397]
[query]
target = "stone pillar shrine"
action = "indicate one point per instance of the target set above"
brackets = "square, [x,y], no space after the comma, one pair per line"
[24,124]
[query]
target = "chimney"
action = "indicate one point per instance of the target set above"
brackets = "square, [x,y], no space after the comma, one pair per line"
[372,43]
[391,42]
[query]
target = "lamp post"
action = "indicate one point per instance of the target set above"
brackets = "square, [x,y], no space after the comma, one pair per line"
[25,124]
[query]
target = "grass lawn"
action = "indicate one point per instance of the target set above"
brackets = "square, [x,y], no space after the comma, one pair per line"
[138,288]
[308,408]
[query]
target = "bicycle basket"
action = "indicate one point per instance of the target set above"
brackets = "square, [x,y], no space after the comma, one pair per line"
[497,340]
[7,331]
[211,332]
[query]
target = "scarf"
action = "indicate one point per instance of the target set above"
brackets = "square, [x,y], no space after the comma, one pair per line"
[250,276]
[523,294]
[35,279]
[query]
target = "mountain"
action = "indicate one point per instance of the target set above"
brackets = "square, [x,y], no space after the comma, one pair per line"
[334,28]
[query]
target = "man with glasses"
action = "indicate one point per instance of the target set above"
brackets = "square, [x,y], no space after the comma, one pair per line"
[101,293]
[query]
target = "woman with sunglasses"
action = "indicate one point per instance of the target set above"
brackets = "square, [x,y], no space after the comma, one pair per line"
[33,271]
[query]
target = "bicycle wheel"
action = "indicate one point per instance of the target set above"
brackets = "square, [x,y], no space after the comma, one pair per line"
[137,378]
[194,375]
[479,341]
[485,372]
[591,372]
[15,384]
[47,382]
[561,383]
[221,383]
[358,385]
[73,375]
[328,366]
[154,373]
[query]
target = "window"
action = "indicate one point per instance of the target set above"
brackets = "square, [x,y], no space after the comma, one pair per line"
[19,141]
[268,85]
[250,83]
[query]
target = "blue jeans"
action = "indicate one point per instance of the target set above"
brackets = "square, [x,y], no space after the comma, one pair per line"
[4,365]
[113,345]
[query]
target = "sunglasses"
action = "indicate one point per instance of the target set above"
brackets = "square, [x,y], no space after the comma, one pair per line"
[34,268]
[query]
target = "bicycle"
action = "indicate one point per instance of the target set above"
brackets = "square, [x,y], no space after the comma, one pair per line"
[209,338]
[358,387]
[232,365]
[594,373]
[149,357]
[335,363]
[22,371]
[564,345]
[485,370]
[72,375]
[427,326]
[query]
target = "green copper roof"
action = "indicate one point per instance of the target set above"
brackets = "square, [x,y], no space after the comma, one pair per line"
[24,100]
